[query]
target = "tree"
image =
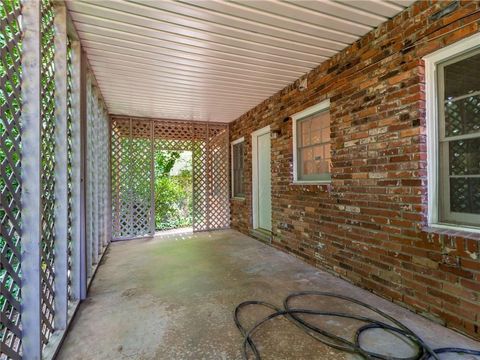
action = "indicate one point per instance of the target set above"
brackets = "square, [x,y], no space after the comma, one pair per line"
[173,193]
[164,162]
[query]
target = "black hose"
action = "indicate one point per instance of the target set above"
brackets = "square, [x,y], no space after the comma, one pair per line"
[423,351]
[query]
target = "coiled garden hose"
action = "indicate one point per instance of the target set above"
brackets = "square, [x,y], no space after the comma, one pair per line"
[424,352]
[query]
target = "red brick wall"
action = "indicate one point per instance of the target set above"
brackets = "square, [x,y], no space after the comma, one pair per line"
[368,226]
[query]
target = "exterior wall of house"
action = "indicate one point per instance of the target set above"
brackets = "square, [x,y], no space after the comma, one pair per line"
[369,225]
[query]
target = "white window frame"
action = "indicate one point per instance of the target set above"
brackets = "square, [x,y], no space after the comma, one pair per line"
[238,141]
[433,129]
[322,106]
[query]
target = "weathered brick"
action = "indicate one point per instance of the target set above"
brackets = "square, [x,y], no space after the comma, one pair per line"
[366,226]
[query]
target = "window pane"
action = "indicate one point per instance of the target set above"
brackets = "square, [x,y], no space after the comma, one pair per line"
[326,119]
[323,167]
[241,183]
[235,158]
[462,77]
[319,160]
[317,123]
[316,136]
[307,154]
[313,164]
[465,195]
[304,138]
[464,157]
[238,156]
[459,166]
[462,116]
[326,135]
[241,148]
[305,126]
[313,147]
[306,161]
[318,152]
[327,154]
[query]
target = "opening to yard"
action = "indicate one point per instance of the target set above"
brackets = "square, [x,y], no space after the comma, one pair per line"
[173,189]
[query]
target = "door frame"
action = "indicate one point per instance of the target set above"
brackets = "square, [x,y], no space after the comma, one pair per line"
[255,135]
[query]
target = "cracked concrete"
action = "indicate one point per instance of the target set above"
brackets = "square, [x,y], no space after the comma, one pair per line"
[173,297]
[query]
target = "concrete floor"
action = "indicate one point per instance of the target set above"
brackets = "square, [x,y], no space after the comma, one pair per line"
[172,297]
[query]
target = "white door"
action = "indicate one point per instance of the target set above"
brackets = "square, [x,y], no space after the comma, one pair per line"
[262,180]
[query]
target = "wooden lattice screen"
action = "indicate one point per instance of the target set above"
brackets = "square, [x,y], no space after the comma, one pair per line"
[97,177]
[50,140]
[48,168]
[97,231]
[10,179]
[134,142]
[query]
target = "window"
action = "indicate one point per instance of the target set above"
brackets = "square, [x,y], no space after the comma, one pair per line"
[454,135]
[311,142]
[238,184]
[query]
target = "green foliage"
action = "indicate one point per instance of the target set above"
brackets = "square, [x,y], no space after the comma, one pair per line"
[164,162]
[173,193]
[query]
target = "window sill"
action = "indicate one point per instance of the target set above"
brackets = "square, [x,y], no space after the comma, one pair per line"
[454,230]
[237,198]
[313,182]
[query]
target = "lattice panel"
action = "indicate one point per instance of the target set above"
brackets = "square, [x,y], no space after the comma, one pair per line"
[69,166]
[200,185]
[179,145]
[10,210]
[119,160]
[173,130]
[10,177]
[132,155]
[104,174]
[140,186]
[219,195]
[90,175]
[48,168]
[131,180]
[93,169]
[97,172]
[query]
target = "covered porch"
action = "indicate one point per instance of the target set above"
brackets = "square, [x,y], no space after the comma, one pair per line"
[173,297]
[334,148]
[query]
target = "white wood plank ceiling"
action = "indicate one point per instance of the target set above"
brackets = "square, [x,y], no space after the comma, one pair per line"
[213,60]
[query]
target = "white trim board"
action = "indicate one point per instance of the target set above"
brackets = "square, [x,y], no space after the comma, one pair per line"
[325,104]
[431,62]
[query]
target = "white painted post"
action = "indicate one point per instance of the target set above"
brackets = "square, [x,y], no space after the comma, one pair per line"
[88,179]
[77,252]
[152,179]
[94,172]
[61,174]
[84,267]
[31,181]
[101,172]
[109,181]
[100,168]
[130,185]
[207,179]
[106,176]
